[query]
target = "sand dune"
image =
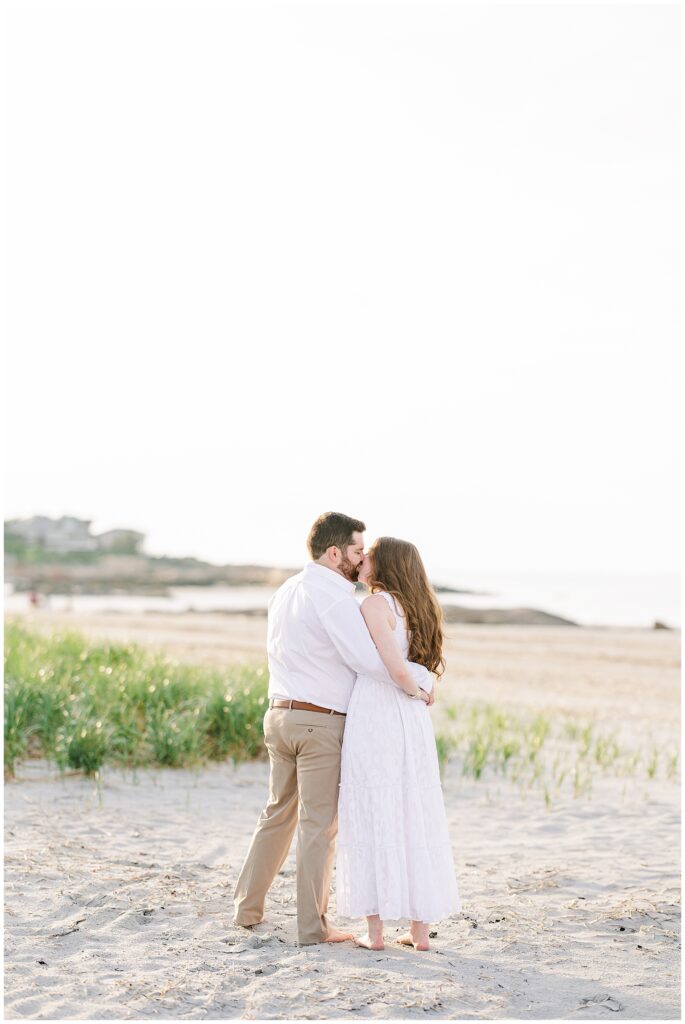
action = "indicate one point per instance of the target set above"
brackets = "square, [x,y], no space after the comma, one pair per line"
[119,897]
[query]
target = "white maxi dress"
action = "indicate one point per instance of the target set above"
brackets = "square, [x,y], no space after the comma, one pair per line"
[394,856]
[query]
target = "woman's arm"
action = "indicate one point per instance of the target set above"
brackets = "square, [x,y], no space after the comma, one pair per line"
[377,617]
[347,631]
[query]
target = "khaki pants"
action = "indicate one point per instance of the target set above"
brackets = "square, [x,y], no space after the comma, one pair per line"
[304,751]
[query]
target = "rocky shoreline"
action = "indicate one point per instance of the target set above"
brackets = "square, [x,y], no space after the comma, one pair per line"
[120,574]
[155,577]
[456,614]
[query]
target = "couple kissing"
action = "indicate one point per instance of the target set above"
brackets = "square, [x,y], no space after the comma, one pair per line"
[351,746]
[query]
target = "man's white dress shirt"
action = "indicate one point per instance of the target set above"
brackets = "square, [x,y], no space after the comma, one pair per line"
[318,642]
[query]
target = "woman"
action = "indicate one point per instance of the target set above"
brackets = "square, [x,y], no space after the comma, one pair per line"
[394,858]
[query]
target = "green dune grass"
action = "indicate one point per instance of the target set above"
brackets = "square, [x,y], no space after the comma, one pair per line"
[549,752]
[82,704]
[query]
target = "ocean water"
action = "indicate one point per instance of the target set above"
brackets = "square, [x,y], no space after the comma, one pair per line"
[597,599]
[588,599]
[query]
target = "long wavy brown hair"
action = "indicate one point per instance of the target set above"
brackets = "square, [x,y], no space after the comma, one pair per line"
[396,566]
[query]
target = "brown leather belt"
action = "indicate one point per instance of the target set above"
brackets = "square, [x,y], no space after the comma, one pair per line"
[300,705]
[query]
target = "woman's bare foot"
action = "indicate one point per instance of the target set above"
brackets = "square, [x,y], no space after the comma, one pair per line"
[417,936]
[373,938]
[335,935]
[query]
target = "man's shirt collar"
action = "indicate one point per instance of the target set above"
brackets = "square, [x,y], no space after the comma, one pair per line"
[329,575]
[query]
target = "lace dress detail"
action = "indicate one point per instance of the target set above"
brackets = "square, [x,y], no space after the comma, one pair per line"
[394,855]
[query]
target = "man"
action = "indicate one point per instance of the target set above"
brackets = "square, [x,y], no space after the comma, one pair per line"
[317,643]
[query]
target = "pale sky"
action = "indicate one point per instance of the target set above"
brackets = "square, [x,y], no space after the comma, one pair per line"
[417,263]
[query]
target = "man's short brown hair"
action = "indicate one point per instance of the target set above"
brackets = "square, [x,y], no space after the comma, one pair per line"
[332,529]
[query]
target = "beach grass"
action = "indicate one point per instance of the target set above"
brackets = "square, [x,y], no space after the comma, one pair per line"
[543,751]
[81,704]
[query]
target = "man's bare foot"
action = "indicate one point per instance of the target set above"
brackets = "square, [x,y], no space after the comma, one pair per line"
[335,935]
[369,941]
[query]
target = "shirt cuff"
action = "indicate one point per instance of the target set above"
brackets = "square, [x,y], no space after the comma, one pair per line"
[422,677]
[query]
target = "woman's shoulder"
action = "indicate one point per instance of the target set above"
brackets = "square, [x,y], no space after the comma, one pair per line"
[380,598]
[376,602]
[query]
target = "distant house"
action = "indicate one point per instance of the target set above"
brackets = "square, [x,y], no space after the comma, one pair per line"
[60,535]
[122,541]
[69,534]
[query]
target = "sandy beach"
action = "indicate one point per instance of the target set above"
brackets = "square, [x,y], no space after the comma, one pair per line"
[119,895]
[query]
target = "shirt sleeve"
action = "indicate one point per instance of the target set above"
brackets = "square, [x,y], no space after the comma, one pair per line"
[345,626]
